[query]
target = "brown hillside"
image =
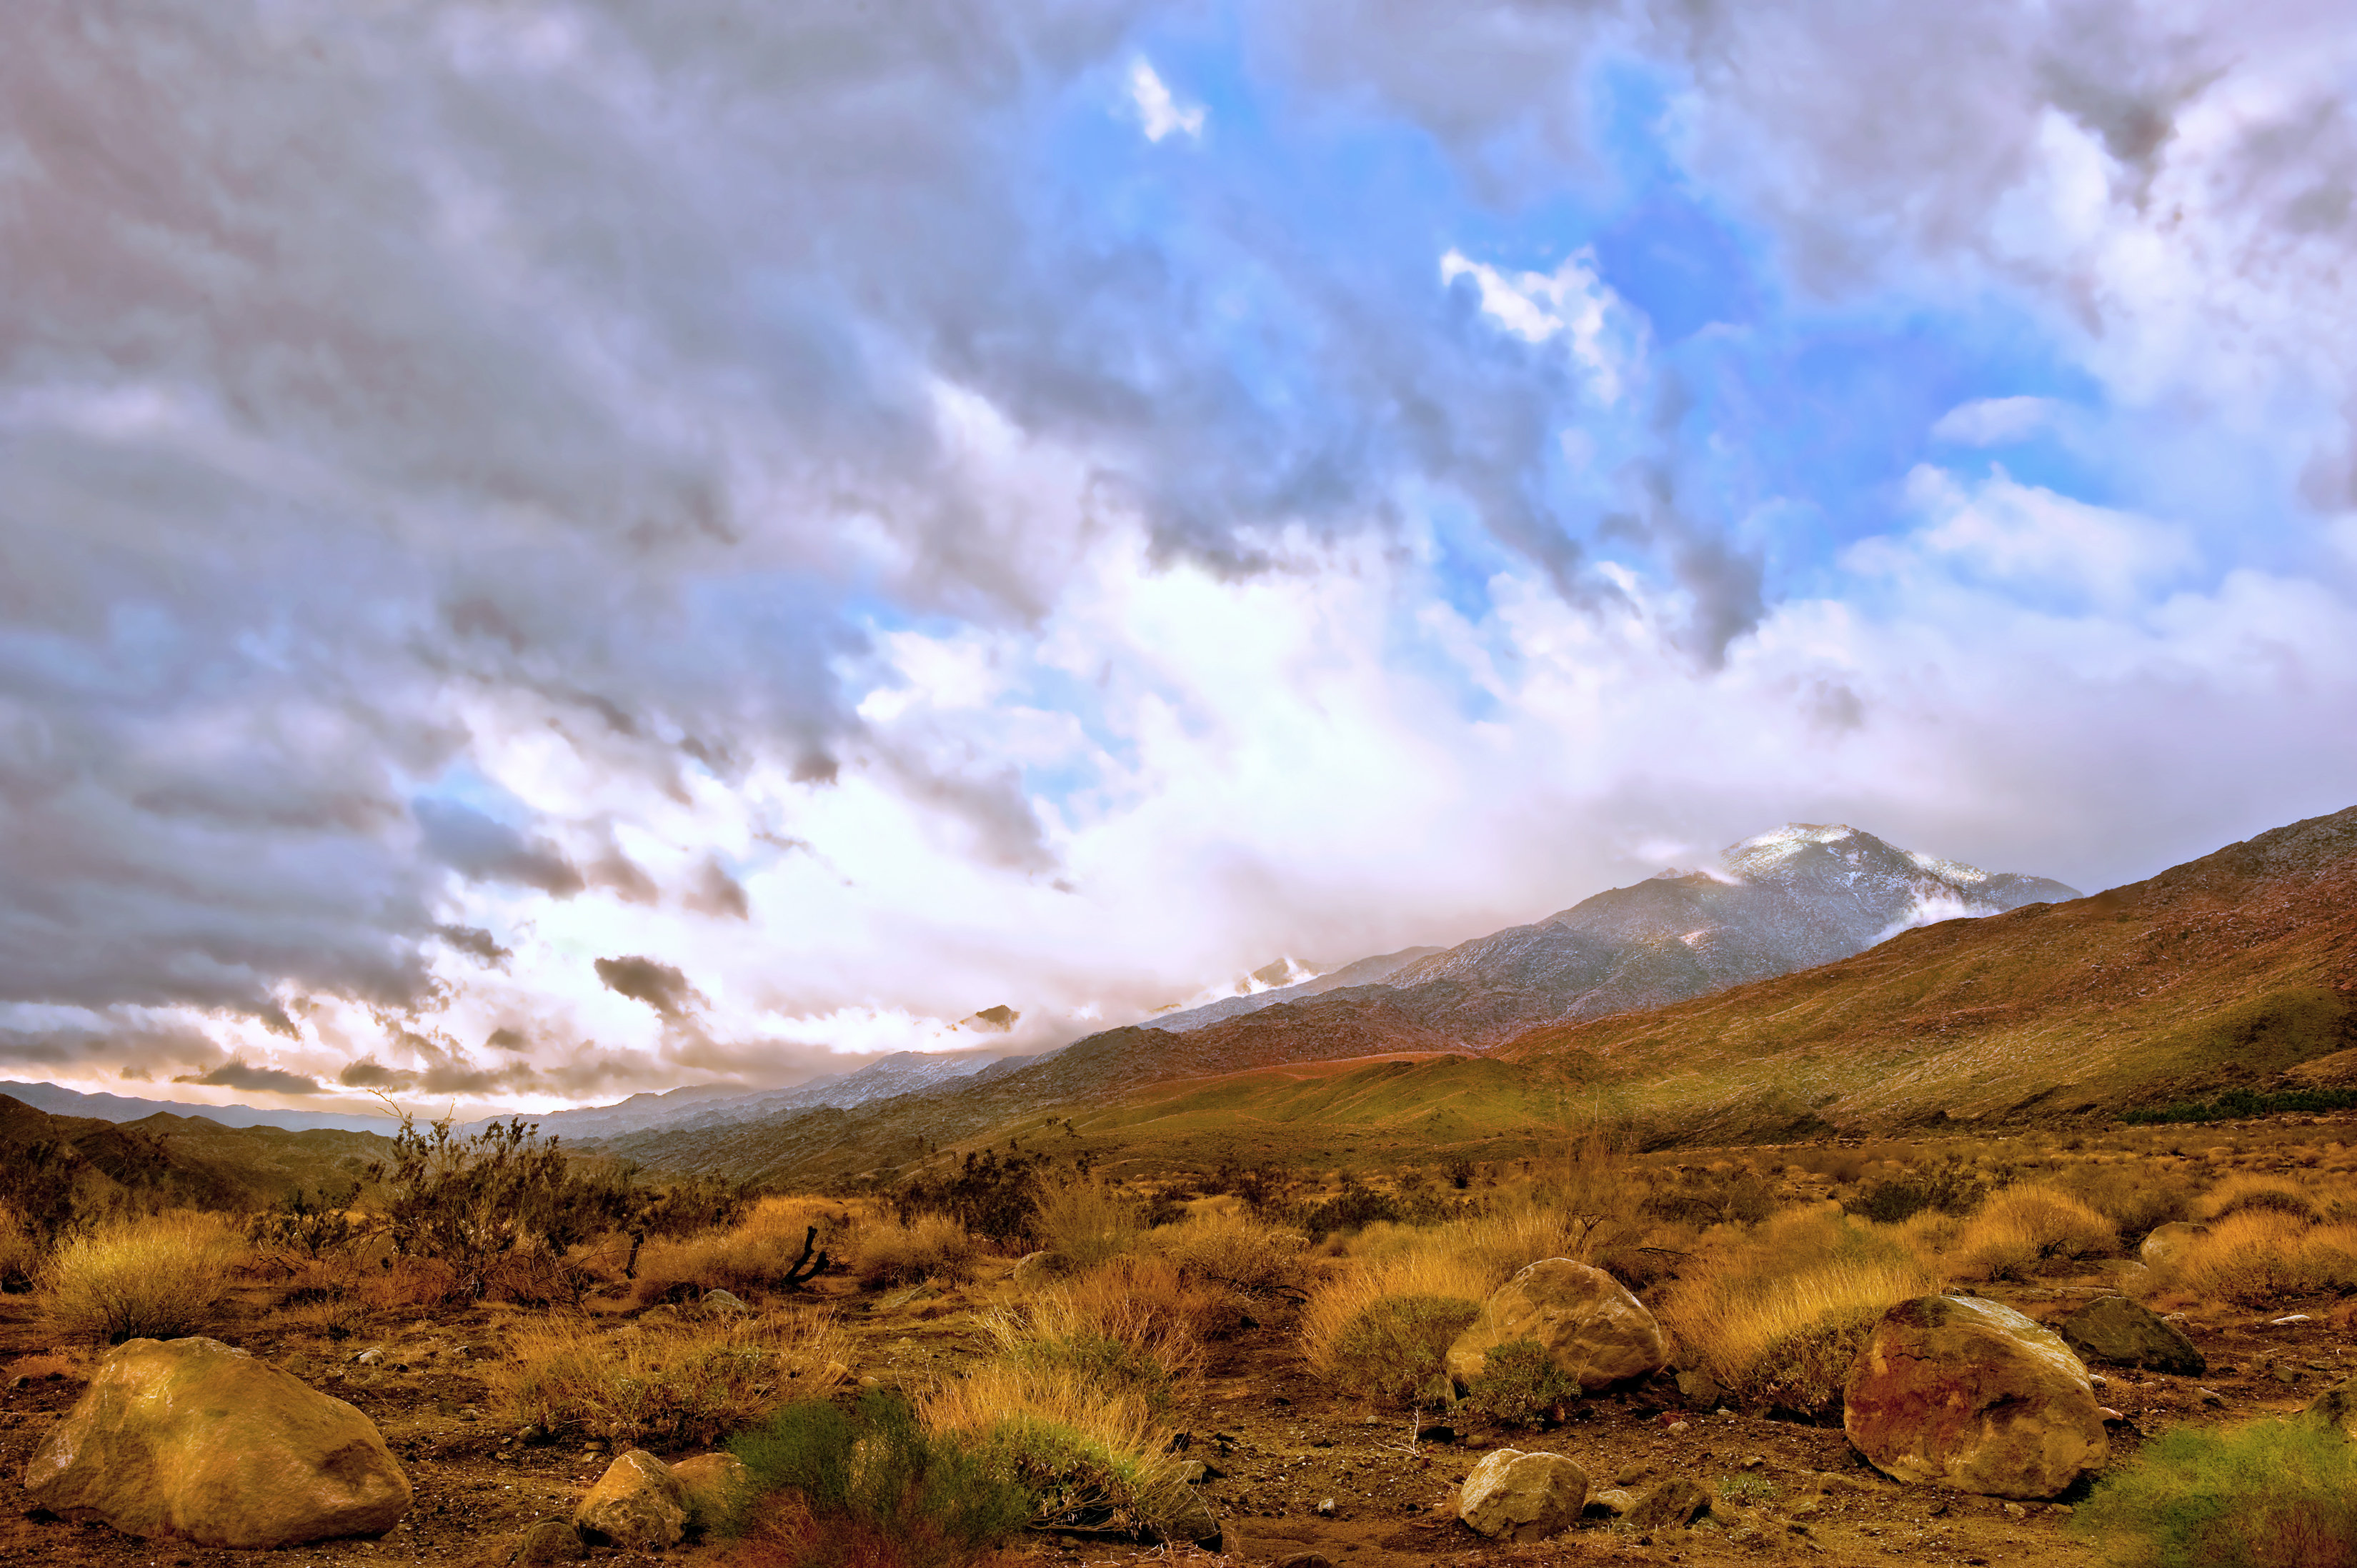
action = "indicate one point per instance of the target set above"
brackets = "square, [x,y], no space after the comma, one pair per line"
[2234,969]
[166,1160]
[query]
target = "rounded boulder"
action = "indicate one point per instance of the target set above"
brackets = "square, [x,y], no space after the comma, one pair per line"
[637,1504]
[1967,1393]
[193,1439]
[1585,1321]
[1515,1496]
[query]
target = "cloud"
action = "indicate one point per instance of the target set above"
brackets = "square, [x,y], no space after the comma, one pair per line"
[1157,111]
[1995,420]
[236,1073]
[659,985]
[484,849]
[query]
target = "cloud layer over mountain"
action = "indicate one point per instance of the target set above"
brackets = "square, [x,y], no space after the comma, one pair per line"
[549,549]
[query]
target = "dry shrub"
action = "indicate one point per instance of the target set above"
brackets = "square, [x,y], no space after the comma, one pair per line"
[1236,1251]
[2257,1257]
[1383,1325]
[666,1387]
[753,1254]
[1088,1458]
[922,1247]
[2024,1226]
[2134,1197]
[160,1276]
[1087,1222]
[1777,1313]
[2256,1193]
[20,1251]
[1128,1326]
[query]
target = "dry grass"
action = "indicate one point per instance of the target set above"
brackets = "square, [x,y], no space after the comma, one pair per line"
[1777,1313]
[1382,1324]
[1086,1222]
[160,1276]
[928,1246]
[2022,1228]
[1236,1251]
[1081,1451]
[1132,1326]
[20,1252]
[663,1388]
[2259,1258]
[2256,1192]
[753,1254]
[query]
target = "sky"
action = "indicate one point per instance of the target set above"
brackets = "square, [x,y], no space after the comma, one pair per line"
[556,550]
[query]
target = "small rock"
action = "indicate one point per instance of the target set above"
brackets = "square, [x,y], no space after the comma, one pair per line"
[724,1304]
[2211,1396]
[2167,1241]
[371,1357]
[1675,1504]
[1513,1496]
[870,1381]
[2015,1510]
[637,1504]
[1325,1508]
[2115,1329]
[2288,1322]
[1699,1388]
[549,1540]
[1614,1500]
[716,1484]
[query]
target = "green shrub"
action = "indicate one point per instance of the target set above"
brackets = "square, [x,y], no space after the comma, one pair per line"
[2270,1495]
[939,1500]
[1354,1207]
[1522,1386]
[1394,1349]
[1952,1186]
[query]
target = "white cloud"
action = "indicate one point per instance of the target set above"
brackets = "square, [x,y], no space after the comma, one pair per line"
[2028,540]
[1158,111]
[1571,303]
[1996,421]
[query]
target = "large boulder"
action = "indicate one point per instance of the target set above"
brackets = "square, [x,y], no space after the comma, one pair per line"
[1515,1496]
[1675,1504]
[2336,1407]
[1967,1393]
[193,1439]
[2113,1329]
[714,1486]
[1584,1320]
[637,1504]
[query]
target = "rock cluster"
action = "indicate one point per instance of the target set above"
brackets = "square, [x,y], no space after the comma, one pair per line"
[642,1504]
[2122,1333]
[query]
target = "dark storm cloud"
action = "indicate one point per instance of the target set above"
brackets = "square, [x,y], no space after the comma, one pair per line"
[659,985]
[365,371]
[476,943]
[236,1073]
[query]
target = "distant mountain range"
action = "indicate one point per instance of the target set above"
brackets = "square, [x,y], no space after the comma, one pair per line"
[1801,896]
[58,1101]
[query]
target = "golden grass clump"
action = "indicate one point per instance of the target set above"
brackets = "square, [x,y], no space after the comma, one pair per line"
[2021,1228]
[2135,1196]
[1126,1326]
[1085,1222]
[927,1246]
[1779,1313]
[1235,1251]
[2258,1192]
[20,1251]
[159,1276]
[752,1254]
[666,1387]
[2258,1258]
[1383,1325]
[1085,1455]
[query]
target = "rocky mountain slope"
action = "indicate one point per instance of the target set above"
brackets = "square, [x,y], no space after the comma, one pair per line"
[1802,895]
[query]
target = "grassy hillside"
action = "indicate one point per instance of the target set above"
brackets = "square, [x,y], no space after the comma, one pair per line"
[168,1161]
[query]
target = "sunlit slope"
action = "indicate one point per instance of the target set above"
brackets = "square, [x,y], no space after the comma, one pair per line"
[2227,969]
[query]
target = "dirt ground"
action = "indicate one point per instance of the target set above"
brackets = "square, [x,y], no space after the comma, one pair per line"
[1278,1445]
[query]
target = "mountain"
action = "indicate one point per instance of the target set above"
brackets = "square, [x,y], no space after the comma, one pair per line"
[59,1101]
[707,1106]
[179,1160]
[2236,970]
[1802,895]
[1365,972]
